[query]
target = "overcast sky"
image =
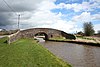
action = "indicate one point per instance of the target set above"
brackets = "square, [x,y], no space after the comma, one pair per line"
[66,15]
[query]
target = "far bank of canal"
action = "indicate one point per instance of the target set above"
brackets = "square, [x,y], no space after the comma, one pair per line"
[77,55]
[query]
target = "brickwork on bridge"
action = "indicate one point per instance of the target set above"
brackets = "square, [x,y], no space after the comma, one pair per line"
[30,33]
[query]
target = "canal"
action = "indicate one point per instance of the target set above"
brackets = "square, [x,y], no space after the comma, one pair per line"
[75,54]
[3,36]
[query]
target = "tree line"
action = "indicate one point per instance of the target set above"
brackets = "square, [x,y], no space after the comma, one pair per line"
[88,29]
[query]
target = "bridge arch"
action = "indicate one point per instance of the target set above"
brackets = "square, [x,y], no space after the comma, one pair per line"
[42,34]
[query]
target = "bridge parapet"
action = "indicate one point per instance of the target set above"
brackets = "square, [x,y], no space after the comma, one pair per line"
[13,37]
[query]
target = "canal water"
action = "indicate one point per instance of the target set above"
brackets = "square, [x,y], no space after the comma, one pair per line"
[3,36]
[75,54]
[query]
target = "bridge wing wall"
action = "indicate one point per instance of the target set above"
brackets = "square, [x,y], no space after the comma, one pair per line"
[68,36]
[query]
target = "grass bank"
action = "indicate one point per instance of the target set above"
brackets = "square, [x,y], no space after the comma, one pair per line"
[27,53]
[79,40]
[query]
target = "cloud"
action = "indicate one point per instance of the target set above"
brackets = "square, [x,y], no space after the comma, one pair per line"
[83,17]
[98,1]
[76,7]
[97,27]
[20,5]
[85,6]
[46,5]
[86,17]
[37,13]
[7,16]
[96,16]
[24,7]
[68,27]
[47,19]
[42,17]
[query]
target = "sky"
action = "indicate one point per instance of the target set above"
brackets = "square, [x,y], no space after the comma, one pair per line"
[65,15]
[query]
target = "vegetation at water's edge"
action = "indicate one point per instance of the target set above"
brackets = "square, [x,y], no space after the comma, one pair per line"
[27,53]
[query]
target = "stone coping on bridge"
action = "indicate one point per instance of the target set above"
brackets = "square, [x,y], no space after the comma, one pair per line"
[12,37]
[13,34]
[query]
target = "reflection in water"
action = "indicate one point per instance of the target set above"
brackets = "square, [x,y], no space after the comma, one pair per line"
[3,36]
[40,39]
[77,55]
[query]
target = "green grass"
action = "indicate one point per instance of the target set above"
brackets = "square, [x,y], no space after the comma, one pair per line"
[87,38]
[27,53]
[57,38]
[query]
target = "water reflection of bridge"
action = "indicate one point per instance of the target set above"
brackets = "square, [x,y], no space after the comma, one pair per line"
[40,36]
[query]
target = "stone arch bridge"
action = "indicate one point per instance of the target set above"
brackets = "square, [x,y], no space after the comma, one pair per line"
[48,32]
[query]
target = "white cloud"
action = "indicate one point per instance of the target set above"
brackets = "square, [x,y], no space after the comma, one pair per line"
[43,17]
[85,6]
[87,17]
[0,29]
[68,27]
[97,27]
[48,19]
[96,17]
[84,17]
[46,5]
[95,1]
[39,15]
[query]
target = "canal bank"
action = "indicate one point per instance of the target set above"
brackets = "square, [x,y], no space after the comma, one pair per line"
[77,42]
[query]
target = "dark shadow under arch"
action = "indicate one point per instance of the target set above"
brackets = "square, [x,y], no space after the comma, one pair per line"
[42,34]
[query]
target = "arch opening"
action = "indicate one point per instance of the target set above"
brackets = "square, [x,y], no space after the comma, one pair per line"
[42,35]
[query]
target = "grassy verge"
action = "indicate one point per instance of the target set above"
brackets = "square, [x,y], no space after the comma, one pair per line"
[80,40]
[60,39]
[27,53]
[87,38]
[57,38]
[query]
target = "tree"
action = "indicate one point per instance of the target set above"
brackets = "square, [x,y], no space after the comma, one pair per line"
[88,29]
